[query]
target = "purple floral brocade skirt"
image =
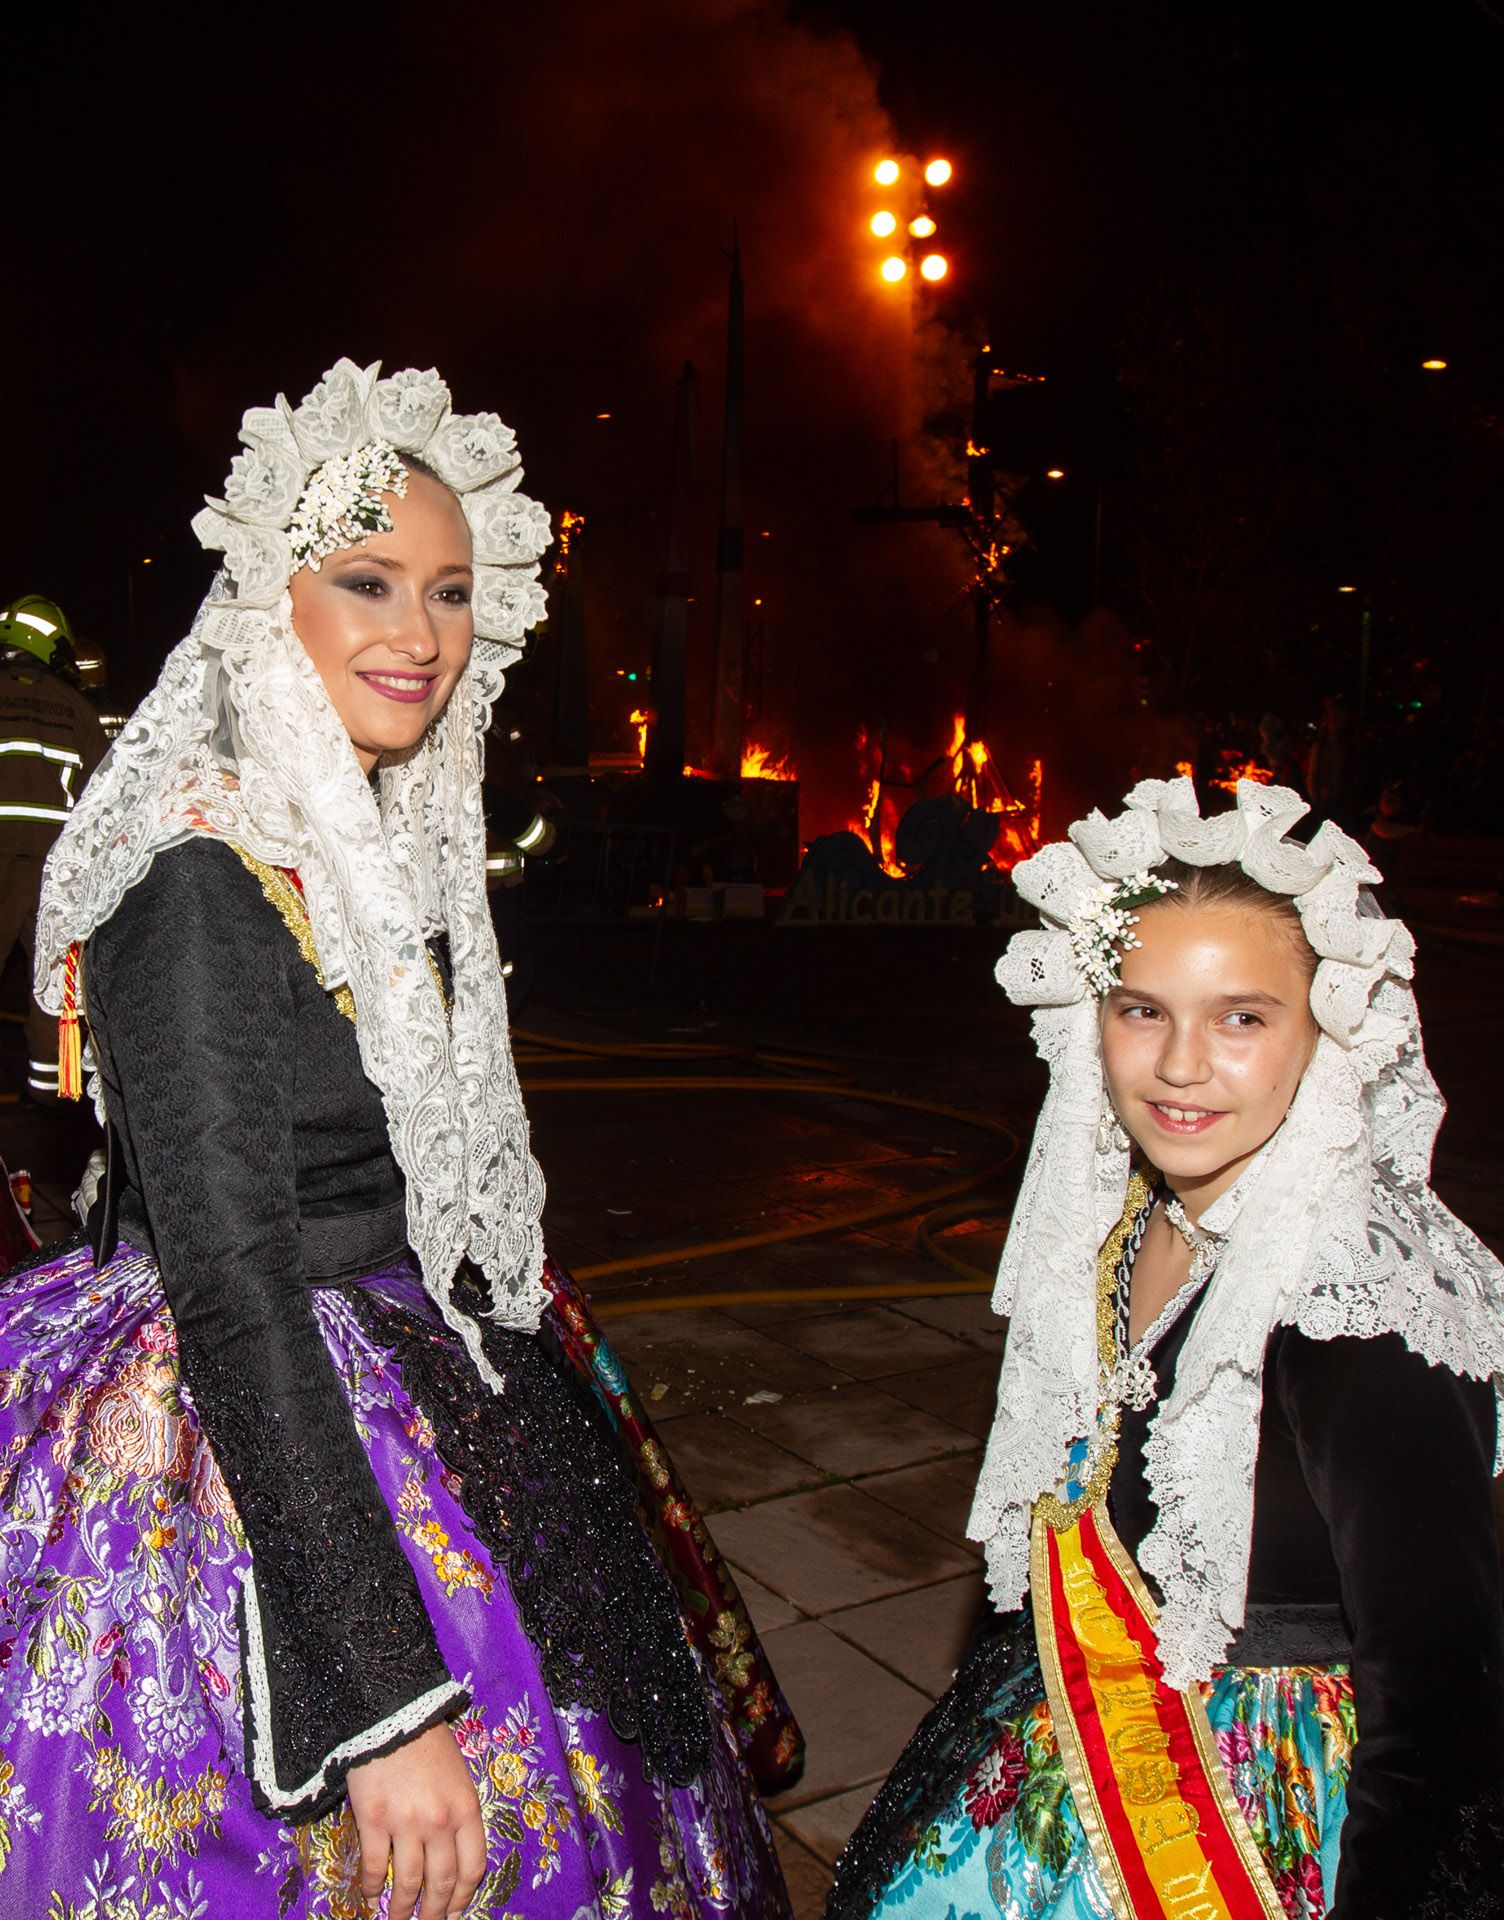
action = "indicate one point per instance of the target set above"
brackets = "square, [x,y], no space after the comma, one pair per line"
[123,1794]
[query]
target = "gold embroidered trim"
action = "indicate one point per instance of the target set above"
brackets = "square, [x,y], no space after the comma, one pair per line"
[1107,1272]
[285,896]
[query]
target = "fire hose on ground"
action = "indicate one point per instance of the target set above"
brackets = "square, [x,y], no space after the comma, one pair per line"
[818,1075]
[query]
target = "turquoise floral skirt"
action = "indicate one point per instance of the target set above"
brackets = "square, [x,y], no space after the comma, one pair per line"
[977,1821]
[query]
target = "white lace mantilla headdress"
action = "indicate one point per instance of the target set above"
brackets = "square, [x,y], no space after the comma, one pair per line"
[238,739]
[1332,1228]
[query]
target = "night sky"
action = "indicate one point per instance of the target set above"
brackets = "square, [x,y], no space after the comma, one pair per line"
[1227,235]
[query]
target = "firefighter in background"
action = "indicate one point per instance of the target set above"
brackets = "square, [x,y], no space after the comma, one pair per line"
[515,831]
[50,742]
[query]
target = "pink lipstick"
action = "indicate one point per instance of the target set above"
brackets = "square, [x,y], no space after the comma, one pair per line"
[410,688]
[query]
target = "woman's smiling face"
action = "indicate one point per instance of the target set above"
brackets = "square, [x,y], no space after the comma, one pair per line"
[388,624]
[1205,1040]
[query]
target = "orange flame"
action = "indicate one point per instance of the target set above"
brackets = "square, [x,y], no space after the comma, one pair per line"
[1185,770]
[640,720]
[1234,770]
[955,752]
[758,763]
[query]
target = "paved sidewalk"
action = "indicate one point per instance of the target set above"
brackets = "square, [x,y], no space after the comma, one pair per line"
[833,1449]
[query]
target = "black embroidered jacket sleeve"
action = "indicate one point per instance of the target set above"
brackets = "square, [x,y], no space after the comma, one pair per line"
[194,991]
[1398,1456]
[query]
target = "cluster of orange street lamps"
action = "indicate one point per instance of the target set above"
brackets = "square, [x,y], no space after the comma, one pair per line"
[884,224]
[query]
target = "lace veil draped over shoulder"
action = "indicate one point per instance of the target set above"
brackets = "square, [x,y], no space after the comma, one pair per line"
[1333,1228]
[239,739]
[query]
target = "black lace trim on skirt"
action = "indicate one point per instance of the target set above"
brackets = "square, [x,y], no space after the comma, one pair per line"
[1001,1668]
[548,1488]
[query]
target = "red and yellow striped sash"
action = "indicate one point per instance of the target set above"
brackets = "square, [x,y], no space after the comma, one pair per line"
[1165,1831]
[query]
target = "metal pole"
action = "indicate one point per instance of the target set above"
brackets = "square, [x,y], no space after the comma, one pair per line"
[730,691]
[665,755]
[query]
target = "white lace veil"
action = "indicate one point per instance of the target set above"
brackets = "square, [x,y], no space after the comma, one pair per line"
[1333,1228]
[239,739]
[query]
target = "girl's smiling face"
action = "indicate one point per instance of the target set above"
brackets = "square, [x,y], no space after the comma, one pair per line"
[1205,1040]
[388,623]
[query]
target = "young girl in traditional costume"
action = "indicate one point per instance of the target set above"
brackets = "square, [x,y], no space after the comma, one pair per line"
[321,1566]
[1236,1504]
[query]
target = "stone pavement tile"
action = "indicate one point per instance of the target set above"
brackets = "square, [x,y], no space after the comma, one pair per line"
[766,1609]
[872,1340]
[768,1314]
[831,1189]
[855,1429]
[938,1495]
[833,1260]
[634,1333]
[920,1635]
[716,1367]
[834,1548]
[792,1136]
[807,1878]
[826,1825]
[564,1245]
[967,1315]
[965,1392]
[854,1714]
[724,1465]
[903,1234]
[693,1209]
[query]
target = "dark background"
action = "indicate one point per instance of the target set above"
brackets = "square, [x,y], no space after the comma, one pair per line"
[1228,236]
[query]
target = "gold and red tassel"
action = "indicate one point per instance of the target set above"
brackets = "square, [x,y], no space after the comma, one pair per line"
[70,1052]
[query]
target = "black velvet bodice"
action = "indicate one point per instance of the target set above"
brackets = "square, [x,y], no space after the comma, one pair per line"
[1374,1541]
[237,1098]
[197,938]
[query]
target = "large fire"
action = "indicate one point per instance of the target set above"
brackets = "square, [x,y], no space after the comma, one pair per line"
[971,773]
[759,763]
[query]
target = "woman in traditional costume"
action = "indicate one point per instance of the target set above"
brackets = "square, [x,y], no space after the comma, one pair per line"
[1236,1506]
[322,1574]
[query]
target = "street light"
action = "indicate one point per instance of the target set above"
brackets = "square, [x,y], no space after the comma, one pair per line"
[1434,366]
[894,268]
[937,172]
[885,172]
[922,228]
[1055,473]
[884,223]
[934,266]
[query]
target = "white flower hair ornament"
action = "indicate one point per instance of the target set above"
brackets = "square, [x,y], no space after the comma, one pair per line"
[312,480]
[1333,1227]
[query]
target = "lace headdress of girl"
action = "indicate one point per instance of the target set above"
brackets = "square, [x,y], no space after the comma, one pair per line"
[1332,1228]
[239,739]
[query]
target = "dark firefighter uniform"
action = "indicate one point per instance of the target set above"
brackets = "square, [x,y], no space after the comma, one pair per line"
[50,743]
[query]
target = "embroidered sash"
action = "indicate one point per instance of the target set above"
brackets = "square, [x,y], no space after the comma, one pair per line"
[1166,1833]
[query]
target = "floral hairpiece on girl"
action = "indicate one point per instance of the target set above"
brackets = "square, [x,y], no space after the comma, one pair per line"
[1102,931]
[1087,886]
[312,479]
